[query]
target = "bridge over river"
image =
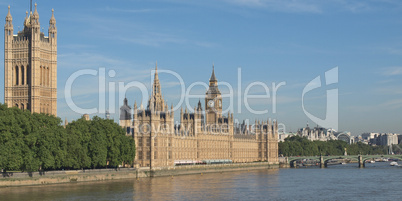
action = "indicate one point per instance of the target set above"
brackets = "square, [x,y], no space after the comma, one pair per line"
[324,159]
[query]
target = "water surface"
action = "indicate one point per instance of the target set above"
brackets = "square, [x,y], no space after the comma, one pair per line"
[377,181]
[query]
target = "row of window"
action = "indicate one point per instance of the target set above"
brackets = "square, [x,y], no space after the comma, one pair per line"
[22,76]
[45,76]
[23,106]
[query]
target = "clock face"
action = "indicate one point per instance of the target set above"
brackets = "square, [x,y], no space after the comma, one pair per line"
[211,103]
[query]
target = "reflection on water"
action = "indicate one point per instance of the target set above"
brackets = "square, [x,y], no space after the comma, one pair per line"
[378,181]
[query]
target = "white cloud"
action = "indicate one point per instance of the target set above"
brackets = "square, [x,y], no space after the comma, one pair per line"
[393,104]
[119,10]
[281,5]
[392,71]
[317,6]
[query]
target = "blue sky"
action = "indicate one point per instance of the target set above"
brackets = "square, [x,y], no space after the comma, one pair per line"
[270,40]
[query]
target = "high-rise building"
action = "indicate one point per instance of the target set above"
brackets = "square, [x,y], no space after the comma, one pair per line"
[30,65]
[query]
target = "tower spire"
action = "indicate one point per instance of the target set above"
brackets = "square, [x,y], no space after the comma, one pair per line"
[36,9]
[9,17]
[156,71]
[9,21]
[213,78]
[52,21]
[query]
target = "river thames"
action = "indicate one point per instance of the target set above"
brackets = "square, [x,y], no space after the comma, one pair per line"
[377,181]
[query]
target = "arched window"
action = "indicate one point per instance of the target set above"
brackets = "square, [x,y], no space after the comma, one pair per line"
[22,106]
[16,105]
[44,76]
[28,75]
[22,75]
[16,75]
[48,76]
[41,76]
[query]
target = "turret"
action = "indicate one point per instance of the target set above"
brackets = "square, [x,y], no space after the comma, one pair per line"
[65,123]
[9,19]
[135,110]
[181,116]
[125,114]
[172,119]
[35,17]
[8,55]
[8,30]
[53,29]
[199,106]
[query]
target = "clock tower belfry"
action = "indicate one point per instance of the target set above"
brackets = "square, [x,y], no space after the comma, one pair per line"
[213,101]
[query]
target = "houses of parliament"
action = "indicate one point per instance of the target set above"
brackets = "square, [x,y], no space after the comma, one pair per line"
[30,65]
[201,135]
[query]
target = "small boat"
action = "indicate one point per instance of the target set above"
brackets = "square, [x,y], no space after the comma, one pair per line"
[371,161]
[343,163]
[385,160]
[393,163]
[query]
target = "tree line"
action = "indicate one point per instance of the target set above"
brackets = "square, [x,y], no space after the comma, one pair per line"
[300,146]
[39,142]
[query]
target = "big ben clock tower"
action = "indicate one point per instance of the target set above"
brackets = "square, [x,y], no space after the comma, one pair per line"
[213,101]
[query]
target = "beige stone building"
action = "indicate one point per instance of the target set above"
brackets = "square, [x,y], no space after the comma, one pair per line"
[201,135]
[30,65]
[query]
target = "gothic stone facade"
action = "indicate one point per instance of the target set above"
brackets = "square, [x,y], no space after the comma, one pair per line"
[161,143]
[30,65]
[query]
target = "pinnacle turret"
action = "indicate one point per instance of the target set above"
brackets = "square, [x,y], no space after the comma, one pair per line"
[35,14]
[52,19]
[156,71]
[199,105]
[9,17]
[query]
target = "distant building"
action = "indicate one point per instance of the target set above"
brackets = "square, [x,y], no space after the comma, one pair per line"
[344,136]
[359,138]
[366,137]
[385,139]
[317,133]
[283,136]
[86,117]
[323,134]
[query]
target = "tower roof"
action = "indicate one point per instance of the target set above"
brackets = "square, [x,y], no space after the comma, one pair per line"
[52,19]
[213,84]
[156,71]
[199,105]
[36,14]
[9,17]
[213,78]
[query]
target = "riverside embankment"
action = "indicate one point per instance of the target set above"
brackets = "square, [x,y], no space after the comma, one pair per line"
[58,177]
